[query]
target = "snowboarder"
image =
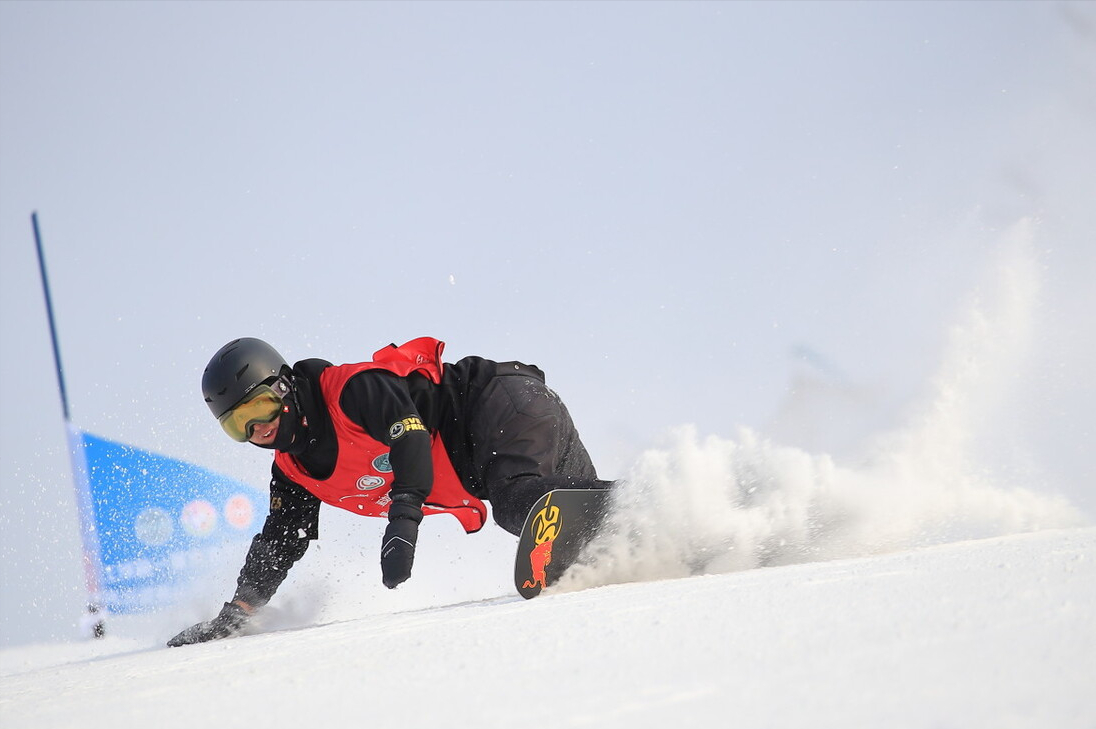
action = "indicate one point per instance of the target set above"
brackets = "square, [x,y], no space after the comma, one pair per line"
[395,437]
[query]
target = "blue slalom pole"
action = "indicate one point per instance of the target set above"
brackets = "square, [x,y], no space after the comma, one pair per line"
[49,312]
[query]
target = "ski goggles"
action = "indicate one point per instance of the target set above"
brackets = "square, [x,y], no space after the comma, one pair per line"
[262,405]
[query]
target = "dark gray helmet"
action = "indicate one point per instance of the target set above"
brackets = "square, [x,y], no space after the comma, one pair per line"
[236,369]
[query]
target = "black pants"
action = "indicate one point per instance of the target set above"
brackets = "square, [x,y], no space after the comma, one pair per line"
[525,444]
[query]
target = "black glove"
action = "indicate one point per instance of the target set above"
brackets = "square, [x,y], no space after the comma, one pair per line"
[228,622]
[398,545]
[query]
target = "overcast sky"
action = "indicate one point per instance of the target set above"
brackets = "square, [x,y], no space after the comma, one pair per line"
[683,212]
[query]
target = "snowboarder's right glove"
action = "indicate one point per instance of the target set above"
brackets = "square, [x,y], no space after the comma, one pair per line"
[398,545]
[228,622]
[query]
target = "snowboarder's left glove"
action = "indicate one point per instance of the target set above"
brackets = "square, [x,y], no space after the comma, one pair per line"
[398,545]
[228,622]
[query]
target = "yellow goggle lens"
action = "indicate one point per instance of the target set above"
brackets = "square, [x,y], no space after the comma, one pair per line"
[261,406]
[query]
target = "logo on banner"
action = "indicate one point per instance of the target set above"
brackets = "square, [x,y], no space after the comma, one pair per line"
[199,518]
[153,527]
[239,512]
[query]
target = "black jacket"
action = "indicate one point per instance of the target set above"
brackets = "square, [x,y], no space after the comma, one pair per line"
[374,399]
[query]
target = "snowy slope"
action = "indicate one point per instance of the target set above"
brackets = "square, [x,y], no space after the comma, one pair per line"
[741,583]
[991,633]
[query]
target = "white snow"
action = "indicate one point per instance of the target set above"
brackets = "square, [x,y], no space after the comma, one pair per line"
[991,633]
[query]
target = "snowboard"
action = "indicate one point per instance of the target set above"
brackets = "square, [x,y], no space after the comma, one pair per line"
[558,526]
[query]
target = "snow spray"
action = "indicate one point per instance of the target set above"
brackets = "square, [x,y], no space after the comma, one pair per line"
[706,505]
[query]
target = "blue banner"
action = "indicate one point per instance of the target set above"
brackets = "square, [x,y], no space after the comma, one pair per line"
[154,520]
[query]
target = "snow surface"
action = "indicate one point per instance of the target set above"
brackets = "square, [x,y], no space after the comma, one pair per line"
[991,633]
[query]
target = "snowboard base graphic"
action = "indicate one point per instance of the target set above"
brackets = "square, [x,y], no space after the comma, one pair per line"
[558,526]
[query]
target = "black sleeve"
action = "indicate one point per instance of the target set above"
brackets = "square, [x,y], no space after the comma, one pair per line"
[292,522]
[381,404]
